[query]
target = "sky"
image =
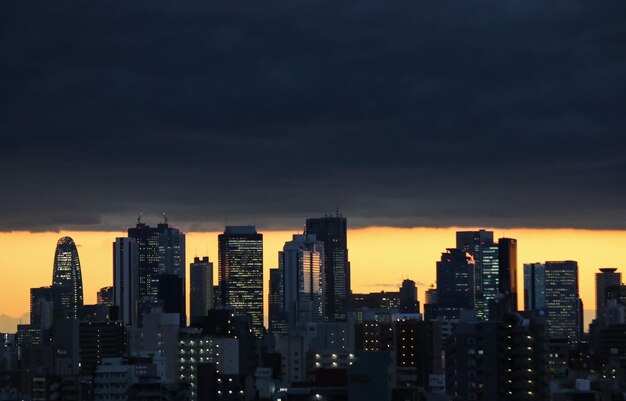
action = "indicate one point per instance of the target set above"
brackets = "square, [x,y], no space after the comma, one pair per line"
[403,114]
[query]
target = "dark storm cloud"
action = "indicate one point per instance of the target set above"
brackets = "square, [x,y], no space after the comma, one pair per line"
[402,113]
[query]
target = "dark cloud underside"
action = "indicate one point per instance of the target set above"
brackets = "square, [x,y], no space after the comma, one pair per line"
[403,113]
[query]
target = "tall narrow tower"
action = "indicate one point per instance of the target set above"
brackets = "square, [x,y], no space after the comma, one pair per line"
[332,230]
[67,277]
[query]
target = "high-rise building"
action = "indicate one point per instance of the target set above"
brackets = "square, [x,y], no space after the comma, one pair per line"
[42,304]
[277,316]
[408,297]
[126,279]
[496,268]
[534,286]
[608,277]
[105,295]
[161,251]
[301,266]
[507,255]
[552,289]
[562,300]
[67,276]
[332,230]
[455,283]
[481,246]
[200,287]
[240,250]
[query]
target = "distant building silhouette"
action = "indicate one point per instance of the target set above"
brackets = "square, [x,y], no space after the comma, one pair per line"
[408,297]
[240,250]
[126,279]
[332,230]
[67,277]
[455,283]
[200,287]
[161,250]
[607,277]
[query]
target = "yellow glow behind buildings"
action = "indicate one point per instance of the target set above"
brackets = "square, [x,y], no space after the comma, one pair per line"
[380,257]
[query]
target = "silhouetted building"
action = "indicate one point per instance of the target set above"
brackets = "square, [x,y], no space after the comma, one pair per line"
[507,273]
[484,251]
[67,276]
[455,283]
[126,279]
[408,297]
[608,277]
[387,300]
[418,350]
[201,295]
[534,286]
[161,250]
[277,316]
[240,251]
[336,277]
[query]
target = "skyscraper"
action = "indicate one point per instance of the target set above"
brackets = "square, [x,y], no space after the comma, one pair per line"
[534,286]
[277,317]
[507,270]
[336,277]
[200,288]
[608,277]
[240,250]
[126,279]
[67,276]
[496,268]
[161,251]
[455,283]
[562,300]
[301,263]
[481,246]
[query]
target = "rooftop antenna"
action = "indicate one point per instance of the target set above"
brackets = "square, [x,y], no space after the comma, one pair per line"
[337,210]
[165,217]
[139,218]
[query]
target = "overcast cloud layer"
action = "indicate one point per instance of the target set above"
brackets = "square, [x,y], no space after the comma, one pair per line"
[402,113]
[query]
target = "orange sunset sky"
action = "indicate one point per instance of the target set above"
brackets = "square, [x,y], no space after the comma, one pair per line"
[380,258]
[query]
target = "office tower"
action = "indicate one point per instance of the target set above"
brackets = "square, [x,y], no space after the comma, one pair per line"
[507,276]
[301,266]
[126,279]
[481,246]
[534,286]
[455,283]
[200,287]
[431,296]
[336,277]
[240,250]
[161,250]
[608,277]
[408,297]
[562,300]
[105,295]
[67,276]
[277,316]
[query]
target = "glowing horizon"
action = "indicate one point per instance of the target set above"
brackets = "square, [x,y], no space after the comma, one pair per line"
[380,257]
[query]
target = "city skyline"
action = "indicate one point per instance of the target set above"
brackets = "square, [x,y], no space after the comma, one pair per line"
[370,245]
